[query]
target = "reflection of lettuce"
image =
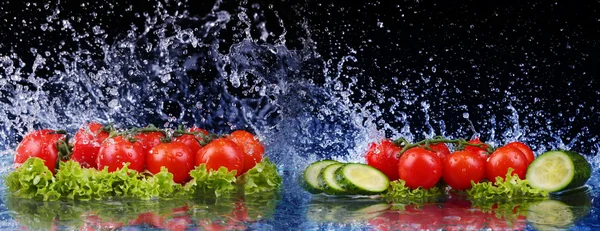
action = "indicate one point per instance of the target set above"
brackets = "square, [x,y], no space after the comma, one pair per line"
[37,215]
[506,209]
[510,187]
[262,206]
[344,210]
[34,180]
[398,192]
[211,182]
[262,178]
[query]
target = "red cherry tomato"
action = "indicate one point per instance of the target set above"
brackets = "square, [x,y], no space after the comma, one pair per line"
[420,167]
[86,144]
[199,130]
[115,152]
[149,139]
[440,149]
[250,145]
[503,158]
[176,157]
[221,152]
[188,140]
[40,144]
[192,140]
[384,156]
[525,149]
[462,167]
[482,152]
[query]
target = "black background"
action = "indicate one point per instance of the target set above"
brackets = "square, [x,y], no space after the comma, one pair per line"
[535,49]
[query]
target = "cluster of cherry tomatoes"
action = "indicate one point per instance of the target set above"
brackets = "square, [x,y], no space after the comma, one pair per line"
[180,151]
[423,164]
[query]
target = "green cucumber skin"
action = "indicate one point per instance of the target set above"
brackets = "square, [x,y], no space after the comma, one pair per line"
[305,184]
[348,186]
[329,190]
[583,170]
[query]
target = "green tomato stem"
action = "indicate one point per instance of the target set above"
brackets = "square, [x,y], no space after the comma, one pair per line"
[426,143]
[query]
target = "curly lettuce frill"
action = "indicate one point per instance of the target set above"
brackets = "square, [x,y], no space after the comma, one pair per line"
[211,182]
[399,192]
[33,180]
[510,187]
[262,178]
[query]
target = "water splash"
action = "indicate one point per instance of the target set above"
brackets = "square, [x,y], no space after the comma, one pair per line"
[231,69]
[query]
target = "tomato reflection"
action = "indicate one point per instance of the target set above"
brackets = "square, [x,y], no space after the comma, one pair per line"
[235,213]
[455,213]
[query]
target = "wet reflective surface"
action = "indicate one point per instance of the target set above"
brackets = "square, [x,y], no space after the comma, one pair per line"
[290,210]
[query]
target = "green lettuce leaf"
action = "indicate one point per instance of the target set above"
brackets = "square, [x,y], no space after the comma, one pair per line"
[211,182]
[163,186]
[33,180]
[399,192]
[77,183]
[263,177]
[510,187]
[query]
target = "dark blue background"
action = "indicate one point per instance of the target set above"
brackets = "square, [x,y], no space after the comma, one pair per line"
[535,49]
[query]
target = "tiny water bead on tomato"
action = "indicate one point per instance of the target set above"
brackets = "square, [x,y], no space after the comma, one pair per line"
[524,148]
[198,130]
[504,158]
[176,157]
[191,140]
[250,145]
[419,167]
[221,152]
[188,140]
[441,149]
[462,167]
[115,152]
[481,151]
[384,156]
[149,139]
[86,144]
[41,144]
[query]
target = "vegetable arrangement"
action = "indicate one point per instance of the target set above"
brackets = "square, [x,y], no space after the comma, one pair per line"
[428,169]
[102,163]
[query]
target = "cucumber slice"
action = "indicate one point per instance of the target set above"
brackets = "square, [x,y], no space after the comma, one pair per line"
[328,182]
[311,173]
[362,179]
[558,170]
